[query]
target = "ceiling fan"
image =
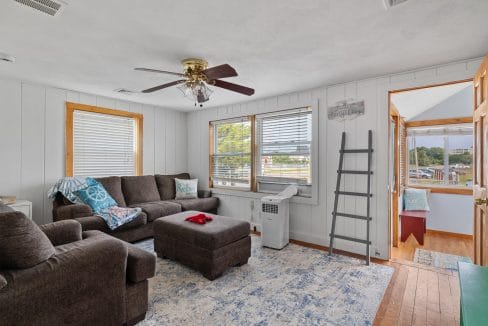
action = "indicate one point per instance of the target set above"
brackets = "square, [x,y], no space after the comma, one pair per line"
[195,78]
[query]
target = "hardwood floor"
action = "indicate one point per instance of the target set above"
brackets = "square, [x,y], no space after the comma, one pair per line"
[419,294]
[435,241]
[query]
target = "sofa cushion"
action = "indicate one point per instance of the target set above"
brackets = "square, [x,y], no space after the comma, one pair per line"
[140,189]
[113,185]
[208,204]
[166,184]
[159,209]
[221,231]
[97,223]
[22,243]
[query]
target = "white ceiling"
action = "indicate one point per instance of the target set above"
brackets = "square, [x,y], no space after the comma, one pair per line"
[276,46]
[412,103]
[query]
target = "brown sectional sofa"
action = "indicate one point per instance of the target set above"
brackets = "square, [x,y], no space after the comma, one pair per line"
[154,194]
[55,274]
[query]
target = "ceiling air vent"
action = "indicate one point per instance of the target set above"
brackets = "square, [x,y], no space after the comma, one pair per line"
[49,7]
[392,3]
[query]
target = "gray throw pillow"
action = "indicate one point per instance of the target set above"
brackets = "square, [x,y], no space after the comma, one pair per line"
[22,243]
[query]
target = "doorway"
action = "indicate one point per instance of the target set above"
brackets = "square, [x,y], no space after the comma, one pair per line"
[431,163]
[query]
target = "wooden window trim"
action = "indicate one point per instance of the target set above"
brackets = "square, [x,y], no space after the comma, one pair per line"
[71,107]
[445,190]
[438,122]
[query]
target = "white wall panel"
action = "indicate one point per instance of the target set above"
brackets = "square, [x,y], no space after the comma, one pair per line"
[32,139]
[10,137]
[33,147]
[312,222]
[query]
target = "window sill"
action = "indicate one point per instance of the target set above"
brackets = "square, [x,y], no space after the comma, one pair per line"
[259,195]
[445,190]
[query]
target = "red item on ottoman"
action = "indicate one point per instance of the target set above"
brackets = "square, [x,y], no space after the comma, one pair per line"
[199,218]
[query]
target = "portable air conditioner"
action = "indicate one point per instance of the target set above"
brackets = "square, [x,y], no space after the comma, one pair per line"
[275,219]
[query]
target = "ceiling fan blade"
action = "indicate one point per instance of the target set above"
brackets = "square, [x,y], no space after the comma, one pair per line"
[233,87]
[222,71]
[160,71]
[157,88]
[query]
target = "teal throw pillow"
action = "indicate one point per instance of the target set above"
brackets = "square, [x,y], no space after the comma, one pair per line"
[186,188]
[95,196]
[415,200]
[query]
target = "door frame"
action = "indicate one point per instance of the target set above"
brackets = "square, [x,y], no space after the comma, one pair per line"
[394,222]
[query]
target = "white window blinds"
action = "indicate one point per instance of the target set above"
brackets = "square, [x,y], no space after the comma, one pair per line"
[103,144]
[284,141]
[231,157]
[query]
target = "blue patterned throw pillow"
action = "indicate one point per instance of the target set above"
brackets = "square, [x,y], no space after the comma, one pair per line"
[95,196]
[186,188]
[415,200]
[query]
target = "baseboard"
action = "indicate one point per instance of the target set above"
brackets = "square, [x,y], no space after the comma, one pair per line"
[342,247]
[451,234]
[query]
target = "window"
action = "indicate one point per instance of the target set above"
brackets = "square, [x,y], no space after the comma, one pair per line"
[284,142]
[102,142]
[440,156]
[263,153]
[230,159]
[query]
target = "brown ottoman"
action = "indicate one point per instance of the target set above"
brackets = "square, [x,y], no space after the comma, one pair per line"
[209,248]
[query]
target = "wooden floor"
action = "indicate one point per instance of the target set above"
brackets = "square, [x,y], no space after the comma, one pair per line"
[434,241]
[419,294]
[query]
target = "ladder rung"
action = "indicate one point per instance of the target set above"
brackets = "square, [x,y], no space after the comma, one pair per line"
[343,237]
[349,193]
[365,150]
[359,217]
[354,172]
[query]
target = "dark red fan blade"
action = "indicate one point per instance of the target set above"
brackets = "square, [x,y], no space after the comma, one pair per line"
[233,87]
[160,71]
[222,71]
[157,88]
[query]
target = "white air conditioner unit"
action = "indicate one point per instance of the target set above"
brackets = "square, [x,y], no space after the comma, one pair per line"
[275,219]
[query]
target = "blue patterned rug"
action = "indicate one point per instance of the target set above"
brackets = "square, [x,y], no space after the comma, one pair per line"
[439,259]
[296,285]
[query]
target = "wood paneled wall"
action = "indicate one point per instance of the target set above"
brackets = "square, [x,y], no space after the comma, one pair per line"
[32,126]
[311,222]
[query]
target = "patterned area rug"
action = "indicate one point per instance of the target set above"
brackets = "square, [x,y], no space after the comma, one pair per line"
[438,259]
[296,285]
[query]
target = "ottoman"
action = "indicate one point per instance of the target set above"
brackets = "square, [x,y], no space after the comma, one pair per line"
[209,248]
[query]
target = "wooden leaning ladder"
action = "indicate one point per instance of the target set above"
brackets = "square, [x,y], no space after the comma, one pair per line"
[367,194]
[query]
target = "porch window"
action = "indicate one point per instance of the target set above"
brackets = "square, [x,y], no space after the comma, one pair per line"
[440,156]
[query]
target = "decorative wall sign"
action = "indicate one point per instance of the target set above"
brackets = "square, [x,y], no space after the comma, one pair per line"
[345,110]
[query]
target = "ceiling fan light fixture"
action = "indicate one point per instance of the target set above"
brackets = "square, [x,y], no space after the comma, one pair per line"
[196,92]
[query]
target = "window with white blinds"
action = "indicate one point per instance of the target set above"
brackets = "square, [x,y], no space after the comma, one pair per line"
[231,154]
[264,152]
[103,144]
[283,156]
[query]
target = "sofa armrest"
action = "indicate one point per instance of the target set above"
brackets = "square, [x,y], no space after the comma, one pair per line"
[67,212]
[92,223]
[46,293]
[62,232]
[141,265]
[204,193]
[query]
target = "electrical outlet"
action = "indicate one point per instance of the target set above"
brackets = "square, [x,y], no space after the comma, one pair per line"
[377,253]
